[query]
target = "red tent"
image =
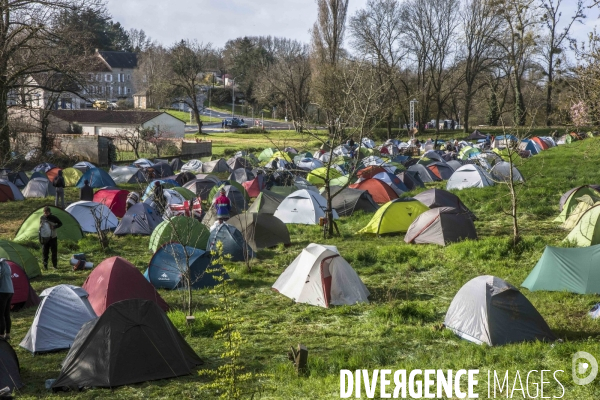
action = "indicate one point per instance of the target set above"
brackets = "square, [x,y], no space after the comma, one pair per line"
[52,173]
[116,200]
[370,171]
[254,186]
[541,143]
[380,191]
[116,279]
[24,295]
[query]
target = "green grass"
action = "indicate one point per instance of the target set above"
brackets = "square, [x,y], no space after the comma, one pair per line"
[185,117]
[411,288]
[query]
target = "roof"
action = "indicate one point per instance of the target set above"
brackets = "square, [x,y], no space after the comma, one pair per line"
[119,59]
[106,116]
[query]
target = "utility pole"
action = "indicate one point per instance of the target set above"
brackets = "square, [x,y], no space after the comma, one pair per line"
[233,96]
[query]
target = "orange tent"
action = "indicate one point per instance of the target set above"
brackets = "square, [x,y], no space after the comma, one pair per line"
[540,142]
[52,173]
[370,171]
[380,191]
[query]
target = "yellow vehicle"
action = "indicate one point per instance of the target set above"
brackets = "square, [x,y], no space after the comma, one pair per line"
[104,105]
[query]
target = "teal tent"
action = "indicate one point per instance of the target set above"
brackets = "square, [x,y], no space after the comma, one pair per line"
[566,269]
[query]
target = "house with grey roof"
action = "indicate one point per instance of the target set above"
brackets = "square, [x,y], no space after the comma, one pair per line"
[112,76]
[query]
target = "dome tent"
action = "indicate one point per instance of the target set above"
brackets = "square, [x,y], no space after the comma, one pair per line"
[86,213]
[71,176]
[434,198]
[52,173]
[266,202]
[501,172]
[202,187]
[9,191]
[140,219]
[469,176]
[20,256]
[168,264]
[380,191]
[29,230]
[303,207]
[83,166]
[442,225]
[219,165]
[116,279]
[395,216]
[348,200]
[185,230]
[568,201]
[133,341]
[488,310]
[97,178]
[192,166]
[261,231]
[116,200]
[319,276]
[232,240]
[127,175]
[587,230]
[39,187]
[61,314]
[24,295]
[10,375]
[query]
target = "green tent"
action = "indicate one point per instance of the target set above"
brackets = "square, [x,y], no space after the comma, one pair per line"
[585,202]
[571,203]
[467,152]
[587,231]
[186,193]
[317,176]
[20,255]
[284,190]
[395,216]
[70,230]
[71,176]
[566,269]
[238,186]
[266,154]
[185,230]
[341,181]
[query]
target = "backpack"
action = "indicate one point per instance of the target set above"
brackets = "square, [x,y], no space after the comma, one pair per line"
[59,182]
[45,233]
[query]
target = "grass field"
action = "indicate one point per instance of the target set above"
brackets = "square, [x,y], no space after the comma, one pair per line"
[411,288]
[185,117]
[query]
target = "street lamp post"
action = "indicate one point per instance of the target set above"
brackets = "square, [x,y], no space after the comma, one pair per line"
[233,96]
[412,112]
[262,123]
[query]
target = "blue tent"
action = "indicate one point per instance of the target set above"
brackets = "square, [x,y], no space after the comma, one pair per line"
[169,262]
[98,178]
[233,242]
[532,146]
[165,183]
[43,167]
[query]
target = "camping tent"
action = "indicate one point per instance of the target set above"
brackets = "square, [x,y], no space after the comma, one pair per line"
[71,176]
[434,198]
[184,177]
[425,174]
[185,230]
[395,216]
[116,200]
[531,146]
[61,314]
[29,230]
[202,187]
[87,212]
[254,186]
[266,154]
[9,368]
[39,187]
[261,231]
[219,165]
[241,175]
[83,166]
[238,162]
[318,175]
[140,219]
[142,163]
[176,164]
[284,190]
[410,180]
[52,173]
[161,170]
[392,181]
[233,242]
[441,170]
[566,269]
[266,202]
[43,167]
[348,200]
[380,191]
[568,201]
[21,256]
[501,172]
[24,296]
[97,178]
[321,277]
[20,179]
[489,310]
[9,191]
[585,203]
[369,172]
[234,192]
[127,175]
[309,164]
[170,262]
[476,135]
[442,225]
[587,230]
[469,176]
[303,207]
[134,341]
[192,166]
[116,279]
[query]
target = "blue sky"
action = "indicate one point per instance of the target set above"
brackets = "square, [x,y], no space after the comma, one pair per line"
[216,21]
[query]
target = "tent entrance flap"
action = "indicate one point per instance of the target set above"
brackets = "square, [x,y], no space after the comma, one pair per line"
[326,278]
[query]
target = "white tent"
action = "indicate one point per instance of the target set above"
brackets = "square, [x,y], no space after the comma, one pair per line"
[127,175]
[309,163]
[374,160]
[192,166]
[38,187]
[59,317]
[341,150]
[324,157]
[368,143]
[84,212]
[469,176]
[321,277]
[303,207]
[143,163]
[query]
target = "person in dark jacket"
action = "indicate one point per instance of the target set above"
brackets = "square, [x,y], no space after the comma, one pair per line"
[6,294]
[59,184]
[159,197]
[86,192]
[50,243]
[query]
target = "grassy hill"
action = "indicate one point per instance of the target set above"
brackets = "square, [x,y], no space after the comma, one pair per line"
[411,288]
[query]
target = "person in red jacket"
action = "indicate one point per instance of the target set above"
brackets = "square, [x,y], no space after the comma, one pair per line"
[223,206]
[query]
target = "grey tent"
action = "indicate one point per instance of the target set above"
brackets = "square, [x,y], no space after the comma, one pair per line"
[202,187]
[443,225]
[140,219]
[501,172]
[83,166]
[133,341]
[489,310]
[39,187]
[61,314]
[443,170]
[284,190]
[425,174]
[233,242]
[19,179]
[127,175]
[10,375]
[454,164]
[235,196]
[192,166]
[433,155]
[238,162]
[162,170]
[219,165]
[411,180]
[434,198]
[261,231]
[38,174]
[176,164]
[476,135]
[348,200]
[266,202]
[241,175]
[302,183]
[211,216]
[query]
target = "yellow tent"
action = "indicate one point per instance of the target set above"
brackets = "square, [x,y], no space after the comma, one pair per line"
[395,216]
[317,176]
[585,203]
[282,156]
[71,176]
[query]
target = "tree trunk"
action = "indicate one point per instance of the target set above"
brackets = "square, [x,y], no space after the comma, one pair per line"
[549,98]
[514,204]
[45,142]
[468,100]
[519,103]
[4,128]
[189,297]
[389,126]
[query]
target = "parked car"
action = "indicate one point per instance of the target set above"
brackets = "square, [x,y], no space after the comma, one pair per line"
[236,123]
[104,105]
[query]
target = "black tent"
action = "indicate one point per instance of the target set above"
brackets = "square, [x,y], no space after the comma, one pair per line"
[184,177]
[162,170]
[176,164]
[442,225]
[266,202]
[476,135]
[435,198]
[238,162]
[261,231]
[201,187]
[9,367]
[133,341]
[140,219]
[425,174]
[348,200]
[411,181]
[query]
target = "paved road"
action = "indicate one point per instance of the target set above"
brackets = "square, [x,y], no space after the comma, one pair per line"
[216,127]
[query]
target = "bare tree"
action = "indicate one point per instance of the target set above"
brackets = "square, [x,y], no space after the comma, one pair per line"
[152,76]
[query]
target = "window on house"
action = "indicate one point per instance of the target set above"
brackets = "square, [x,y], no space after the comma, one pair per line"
[119,89]
[128,77]
[99,77]
[108,78]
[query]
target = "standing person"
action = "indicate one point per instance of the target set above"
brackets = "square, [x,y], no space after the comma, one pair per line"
[48,225]
[223,206]
[59,184]
[86,192]
[159,197]
[222,123]
[275,164]
[6,294]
